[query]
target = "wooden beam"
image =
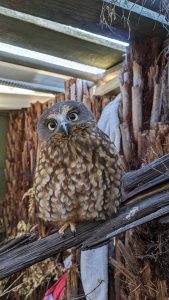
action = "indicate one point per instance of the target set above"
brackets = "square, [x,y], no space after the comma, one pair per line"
[44,66]
[45,41]
[140,10]
[65,29]
[108,83]
[105,88]
[112,72]
[86,16]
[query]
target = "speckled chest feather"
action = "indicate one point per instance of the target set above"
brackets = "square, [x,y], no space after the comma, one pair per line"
[77,177]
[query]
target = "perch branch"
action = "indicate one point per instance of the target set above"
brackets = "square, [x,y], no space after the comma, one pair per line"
[25,251]
[88,235]
[148,177]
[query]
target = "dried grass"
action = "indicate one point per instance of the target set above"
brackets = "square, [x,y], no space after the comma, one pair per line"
[143,265]
[34,280]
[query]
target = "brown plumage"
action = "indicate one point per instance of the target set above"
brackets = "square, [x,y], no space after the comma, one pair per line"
[78,173]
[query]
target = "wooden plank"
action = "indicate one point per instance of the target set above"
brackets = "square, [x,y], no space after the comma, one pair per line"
[44,66]
[153,5]
[43,40]
[108,83]
[85,16]
[140,9]
[112,72]
[65,29]
[105,88]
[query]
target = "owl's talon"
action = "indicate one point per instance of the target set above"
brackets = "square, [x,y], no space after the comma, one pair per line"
[34,227]
[73,228]
[61,233]
[65,226]
[30,193]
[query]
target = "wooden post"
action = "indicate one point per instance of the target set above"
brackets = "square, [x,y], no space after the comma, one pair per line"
[137,99]
[73,275]
[126,115]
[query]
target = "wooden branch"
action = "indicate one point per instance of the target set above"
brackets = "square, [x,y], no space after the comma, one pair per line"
[14,260]
[156,108]
[126,141]
[129,217]
[88,235]
[152,175]
[17,242]
[137,99]
[126,113]
[124,87]
[25,251]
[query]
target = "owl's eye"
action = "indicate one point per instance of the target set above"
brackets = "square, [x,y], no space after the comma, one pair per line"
[52,124]
[72,116]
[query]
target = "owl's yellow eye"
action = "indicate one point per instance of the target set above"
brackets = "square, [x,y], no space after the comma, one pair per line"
[52,124]
[73,116]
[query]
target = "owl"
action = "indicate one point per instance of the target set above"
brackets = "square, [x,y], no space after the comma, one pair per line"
[78,174]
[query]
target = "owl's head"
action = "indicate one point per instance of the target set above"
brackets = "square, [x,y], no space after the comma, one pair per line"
[62,118]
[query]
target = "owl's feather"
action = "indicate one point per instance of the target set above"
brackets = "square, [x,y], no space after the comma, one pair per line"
[78,175]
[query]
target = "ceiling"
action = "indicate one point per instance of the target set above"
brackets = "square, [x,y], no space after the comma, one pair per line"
[71,30]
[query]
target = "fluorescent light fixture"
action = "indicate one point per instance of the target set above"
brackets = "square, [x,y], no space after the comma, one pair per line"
[20,91]
[50,59]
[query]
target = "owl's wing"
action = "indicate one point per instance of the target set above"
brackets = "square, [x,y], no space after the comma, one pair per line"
[102,133]
[106,138]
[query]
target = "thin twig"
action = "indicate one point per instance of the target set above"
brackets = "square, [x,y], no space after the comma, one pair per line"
[8,289]
[85,296]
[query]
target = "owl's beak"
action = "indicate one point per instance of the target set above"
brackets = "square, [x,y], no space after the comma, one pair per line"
[64,127]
